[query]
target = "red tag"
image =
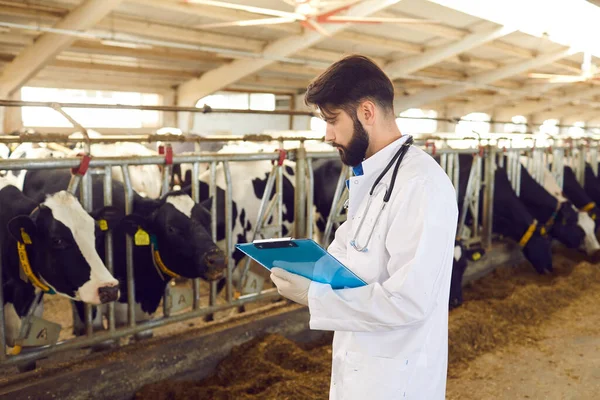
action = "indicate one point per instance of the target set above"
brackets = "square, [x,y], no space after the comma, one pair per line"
[83,165]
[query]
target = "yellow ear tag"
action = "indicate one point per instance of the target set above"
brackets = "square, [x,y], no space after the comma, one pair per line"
[103,225]
[25,237]
[476,256]
[141,238]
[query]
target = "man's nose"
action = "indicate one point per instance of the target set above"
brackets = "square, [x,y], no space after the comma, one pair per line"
[329,136]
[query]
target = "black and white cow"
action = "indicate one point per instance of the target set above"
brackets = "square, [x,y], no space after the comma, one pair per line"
[591,185]
[573,190]
[584,219]
[177,228]
[57,238]
[510,217]
[559,219]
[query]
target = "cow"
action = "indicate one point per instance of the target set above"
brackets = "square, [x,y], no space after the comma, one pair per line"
[510,217]
[145,179]
[48,244]
[559,218]
[591,185]
[173,232]
[461,257]
[577,194]
[584,218]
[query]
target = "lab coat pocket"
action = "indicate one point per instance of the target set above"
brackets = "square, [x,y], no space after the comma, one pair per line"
[374,378]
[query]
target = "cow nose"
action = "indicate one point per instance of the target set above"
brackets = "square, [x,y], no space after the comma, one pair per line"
[108,294]
[216,263]
[215,259]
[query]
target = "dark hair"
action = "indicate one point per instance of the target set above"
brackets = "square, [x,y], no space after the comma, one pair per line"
[349,81]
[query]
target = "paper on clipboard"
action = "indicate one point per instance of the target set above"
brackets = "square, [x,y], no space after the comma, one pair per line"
[303,257]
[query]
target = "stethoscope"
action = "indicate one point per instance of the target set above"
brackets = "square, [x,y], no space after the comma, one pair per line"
[388,193]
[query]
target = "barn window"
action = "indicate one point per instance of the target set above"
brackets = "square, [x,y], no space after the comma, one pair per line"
[577,130]
[90,118]
[549,127]
[478,122]
[239,101]
[318,125]
[415,120]
[518,124]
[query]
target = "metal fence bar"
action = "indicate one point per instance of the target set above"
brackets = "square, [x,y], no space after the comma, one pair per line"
[228,230]
[129,248]
[196,198]
[108,247]
[300,192]
[213,223]
[456,171]
[126,331]
[488,198]
[310,195]
[85,192]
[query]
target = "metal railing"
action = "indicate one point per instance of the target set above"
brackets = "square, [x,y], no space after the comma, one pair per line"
[481,230]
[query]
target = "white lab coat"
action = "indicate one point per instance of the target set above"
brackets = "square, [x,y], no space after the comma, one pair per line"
[391,336]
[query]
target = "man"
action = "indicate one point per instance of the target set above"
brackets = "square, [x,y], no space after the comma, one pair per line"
[391,336]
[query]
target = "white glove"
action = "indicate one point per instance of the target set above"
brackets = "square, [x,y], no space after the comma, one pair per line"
[292,286]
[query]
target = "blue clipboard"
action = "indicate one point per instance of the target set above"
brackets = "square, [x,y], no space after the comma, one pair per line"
[303,257]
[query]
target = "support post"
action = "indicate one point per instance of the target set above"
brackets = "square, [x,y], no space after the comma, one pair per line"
[488,197]
[300,201]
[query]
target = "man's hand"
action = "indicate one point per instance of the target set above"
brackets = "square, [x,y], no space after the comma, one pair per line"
[292,286]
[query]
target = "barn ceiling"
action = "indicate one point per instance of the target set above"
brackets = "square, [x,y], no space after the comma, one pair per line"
[468,58]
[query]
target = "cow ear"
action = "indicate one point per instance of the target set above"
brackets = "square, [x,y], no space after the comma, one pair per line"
[23,229]
[107,217]
[131,223]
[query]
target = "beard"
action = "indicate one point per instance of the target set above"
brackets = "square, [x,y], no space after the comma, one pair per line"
[355,151]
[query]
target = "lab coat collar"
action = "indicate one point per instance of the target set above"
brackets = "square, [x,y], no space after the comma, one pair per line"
[382,157]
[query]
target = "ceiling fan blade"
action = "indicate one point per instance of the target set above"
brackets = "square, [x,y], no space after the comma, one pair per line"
[566,79]
[250,9]
[318,27]
[379,20]
[548,76]
[248,22]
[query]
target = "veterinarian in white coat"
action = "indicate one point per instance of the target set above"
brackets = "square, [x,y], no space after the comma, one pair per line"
[391,336]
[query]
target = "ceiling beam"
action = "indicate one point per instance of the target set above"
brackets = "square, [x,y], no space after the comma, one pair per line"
[532,107]
[428,96]
[190,92]
[407,66]
[481,103]
[36,56]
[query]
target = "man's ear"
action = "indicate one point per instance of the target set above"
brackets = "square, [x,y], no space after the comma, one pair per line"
[131,223]
[107,217]
[23,229]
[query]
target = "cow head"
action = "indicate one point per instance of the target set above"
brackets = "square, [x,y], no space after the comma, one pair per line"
[180,229]
[511,218]
[461,257]
[59,238]
[576,193]
[564,226]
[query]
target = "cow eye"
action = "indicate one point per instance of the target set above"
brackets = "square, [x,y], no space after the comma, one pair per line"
[59,243]
[173,230]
